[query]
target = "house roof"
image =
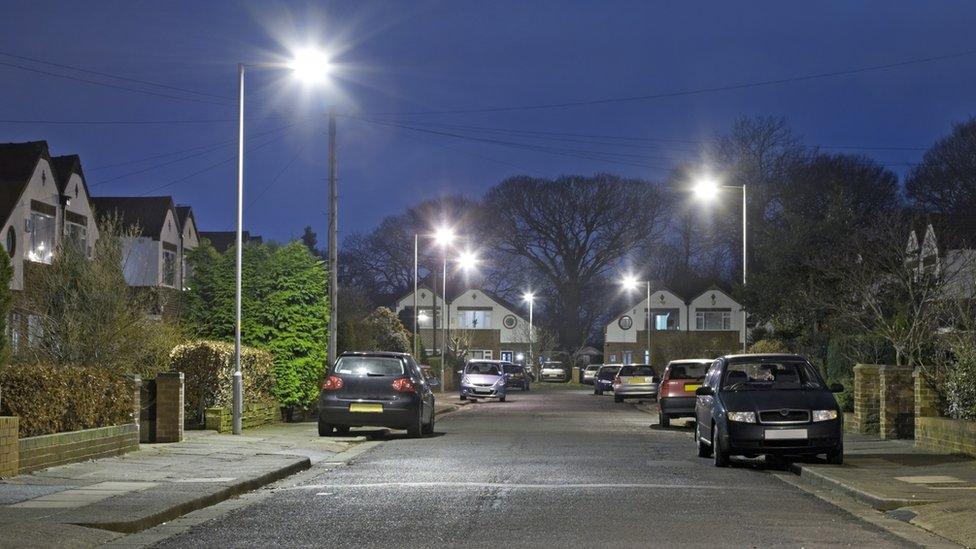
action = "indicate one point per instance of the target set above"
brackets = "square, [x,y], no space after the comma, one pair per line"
[146,212]
[184,212]
[223,240]
[686,300]
[17,163]
[63,167]
[456,290]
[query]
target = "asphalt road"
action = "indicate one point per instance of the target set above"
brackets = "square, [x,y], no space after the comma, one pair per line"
[546,469]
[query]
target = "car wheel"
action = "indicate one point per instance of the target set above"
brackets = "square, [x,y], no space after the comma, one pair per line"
[325,429]
[618,398]
[719,455]
[342,429]
[836,457]
[429,428]
[704,450]
[501,399]
[663,420]
[416,428]
[463,397]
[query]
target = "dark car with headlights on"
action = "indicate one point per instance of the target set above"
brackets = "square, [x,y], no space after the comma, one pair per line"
[676,394]
[484,379]
[753,405]
[376,389]
[516,377]
[604,378]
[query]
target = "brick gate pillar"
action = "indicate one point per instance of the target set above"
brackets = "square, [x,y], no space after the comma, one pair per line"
[867,401]
[9,446]
[897,406]
[926,399]
[169,407]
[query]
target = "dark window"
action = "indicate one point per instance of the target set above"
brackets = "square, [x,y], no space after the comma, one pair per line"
[485,368]
[769,374]
[11,241]
[608,372]
[688,370]
[369,365]
[512,369]
[637,371]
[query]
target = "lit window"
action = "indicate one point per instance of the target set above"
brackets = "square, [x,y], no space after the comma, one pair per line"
[474,320]
[665,319]
[713,320]
[41,229]
[169,268]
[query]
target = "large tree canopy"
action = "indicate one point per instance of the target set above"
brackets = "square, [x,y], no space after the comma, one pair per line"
[945,181]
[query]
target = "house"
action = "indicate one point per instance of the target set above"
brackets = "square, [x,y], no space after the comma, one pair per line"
[44,203]
[709,323]
[190,239]
[485,324]
[945,246]
[224,240]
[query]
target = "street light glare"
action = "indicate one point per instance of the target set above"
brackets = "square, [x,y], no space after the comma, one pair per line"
[630,282]
[706,188]
[311,65]
[444,236]
[528,296]
[467,260]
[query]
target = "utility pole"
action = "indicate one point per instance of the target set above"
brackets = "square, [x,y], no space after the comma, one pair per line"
[333,240]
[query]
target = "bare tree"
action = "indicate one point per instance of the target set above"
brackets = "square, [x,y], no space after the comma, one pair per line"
[945,180]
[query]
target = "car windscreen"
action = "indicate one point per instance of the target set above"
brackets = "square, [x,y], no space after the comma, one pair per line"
[637,371]
[484,368]
[690,370]
[756,375]
[608,373]
[513,369]
[369,365]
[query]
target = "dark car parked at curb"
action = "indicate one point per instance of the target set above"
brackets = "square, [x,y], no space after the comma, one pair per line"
[604,378]
[753,405]
[516,377]
[376,389]
[676,394]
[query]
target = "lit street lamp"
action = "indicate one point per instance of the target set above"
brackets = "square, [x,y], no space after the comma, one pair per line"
[310,66]
[707,189]
[530,298]
[630,283]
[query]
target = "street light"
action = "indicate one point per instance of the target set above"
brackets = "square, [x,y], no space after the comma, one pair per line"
[706,189]
[304,64]
[530,298]
[443,236]
[631,283]
[467,261]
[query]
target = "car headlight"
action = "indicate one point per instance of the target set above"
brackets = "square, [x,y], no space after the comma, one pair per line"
[824,415]
[742,417]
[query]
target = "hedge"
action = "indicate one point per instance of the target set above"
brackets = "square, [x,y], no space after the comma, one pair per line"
[56,399]
[208,367]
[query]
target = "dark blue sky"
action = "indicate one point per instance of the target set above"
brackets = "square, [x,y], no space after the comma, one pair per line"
[421,56]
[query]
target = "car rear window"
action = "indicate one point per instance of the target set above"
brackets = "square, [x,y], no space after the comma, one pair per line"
[608,373]
[637,371]
[484,368]
[369,365]
[688,371]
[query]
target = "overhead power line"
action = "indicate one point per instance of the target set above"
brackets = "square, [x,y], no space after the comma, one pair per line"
[693,91]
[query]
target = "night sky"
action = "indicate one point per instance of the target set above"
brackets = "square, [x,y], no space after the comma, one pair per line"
[410,57]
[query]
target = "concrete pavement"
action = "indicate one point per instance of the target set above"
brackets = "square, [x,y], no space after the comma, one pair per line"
[549,468]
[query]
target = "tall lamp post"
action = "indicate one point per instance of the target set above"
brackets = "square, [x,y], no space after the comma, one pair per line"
[631,283]
[530,298]
[311,66]
[707,189]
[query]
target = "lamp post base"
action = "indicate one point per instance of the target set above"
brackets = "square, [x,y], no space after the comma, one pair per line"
[238,406]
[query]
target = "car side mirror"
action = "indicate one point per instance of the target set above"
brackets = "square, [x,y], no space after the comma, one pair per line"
[704,391]
[836,388]
[433,382]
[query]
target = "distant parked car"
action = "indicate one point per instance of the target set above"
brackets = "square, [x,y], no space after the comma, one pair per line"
[516,377]
[676,395]
[554,371]
[635,380]
[588,374]
[376,389]
[483,379]
[604,378]
[755,405]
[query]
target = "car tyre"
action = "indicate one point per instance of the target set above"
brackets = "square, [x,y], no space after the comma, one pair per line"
[836,457]
[720,457]
[463,397]
[663,420]
[325,429]
[342,430]
[618,398]
[429,428]
[416,427]
[501,399]
[704,450]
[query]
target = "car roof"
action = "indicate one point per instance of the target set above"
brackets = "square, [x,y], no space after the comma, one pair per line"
[778,356]
[487,361]
[692,361]
[388,354]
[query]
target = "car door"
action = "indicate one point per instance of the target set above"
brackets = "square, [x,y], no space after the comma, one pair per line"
[704,405]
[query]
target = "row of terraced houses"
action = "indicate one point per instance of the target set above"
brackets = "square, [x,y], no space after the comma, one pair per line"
[45,201]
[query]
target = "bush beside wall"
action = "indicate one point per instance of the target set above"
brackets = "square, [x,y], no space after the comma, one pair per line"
[208,367]
[55,399]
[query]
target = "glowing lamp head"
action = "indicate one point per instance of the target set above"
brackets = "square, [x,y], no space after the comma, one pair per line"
[630,282]
[528,296]
[444,236]
[706,188]
[467,260]
[310,65]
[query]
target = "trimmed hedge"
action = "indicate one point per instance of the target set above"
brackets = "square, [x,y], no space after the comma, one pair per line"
[208,367]
[56,399]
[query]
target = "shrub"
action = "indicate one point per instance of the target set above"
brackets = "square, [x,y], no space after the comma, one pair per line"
[208,367]
[55,399]
[959,384]
[768,346]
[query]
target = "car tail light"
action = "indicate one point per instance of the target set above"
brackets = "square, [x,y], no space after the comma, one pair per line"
[332,383]
[404,385]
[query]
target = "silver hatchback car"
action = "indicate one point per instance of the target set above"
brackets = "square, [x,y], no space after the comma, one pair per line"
[635,381]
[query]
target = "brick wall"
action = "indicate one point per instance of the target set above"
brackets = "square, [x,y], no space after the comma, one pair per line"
[672,345]
[941,434]
[169,407]
[62,448]
[926,399]
[254,415]
[896,389]
[9,448]
[867,401]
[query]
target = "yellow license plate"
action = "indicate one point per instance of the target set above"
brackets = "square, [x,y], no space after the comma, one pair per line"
[637,380]
[366,408]
[692,387]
